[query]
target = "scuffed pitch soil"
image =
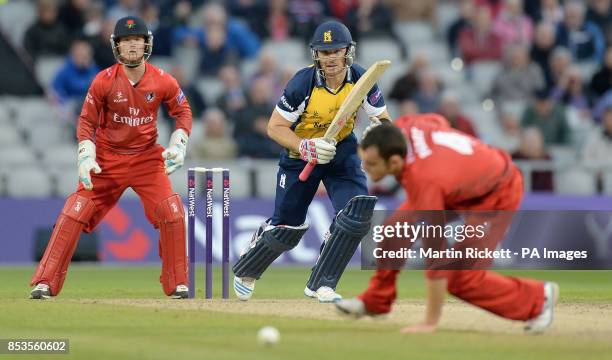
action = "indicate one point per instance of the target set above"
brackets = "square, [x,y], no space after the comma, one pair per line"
[584,320]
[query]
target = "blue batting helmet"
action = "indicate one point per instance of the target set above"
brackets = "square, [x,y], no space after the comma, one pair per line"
[332,35]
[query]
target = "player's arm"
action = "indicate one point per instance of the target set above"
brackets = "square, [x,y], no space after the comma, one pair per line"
[316,150]
[375,108]
[288,110]
[279,130]
[86,129]
[180,111]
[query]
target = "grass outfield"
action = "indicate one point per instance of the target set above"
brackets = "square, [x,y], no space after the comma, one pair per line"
[120,313]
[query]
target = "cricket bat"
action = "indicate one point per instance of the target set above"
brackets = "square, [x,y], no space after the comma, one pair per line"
[350,105]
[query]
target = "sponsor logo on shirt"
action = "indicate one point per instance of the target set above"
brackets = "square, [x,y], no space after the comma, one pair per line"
[132,119]
[150,96]
[180,97]
[89,99]
[375,97]
[284,101]
[119,98]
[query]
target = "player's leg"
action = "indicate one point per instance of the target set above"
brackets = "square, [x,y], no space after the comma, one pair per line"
[347,188]
[283,231]
[82,211]
[164,210]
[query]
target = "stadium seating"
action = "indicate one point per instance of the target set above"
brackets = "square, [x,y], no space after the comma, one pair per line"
[29,182]
[575,181]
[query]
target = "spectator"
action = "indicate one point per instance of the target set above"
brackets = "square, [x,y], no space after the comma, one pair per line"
[478,42]
[429,92]
[193,95]
[569,91]
[519,78]
[550,11]
[47,36]
[495,6]
[602,80]
[269,68]
[542,48]
[216,51]
[581,37]
[124,8]
[509,119]
[406,86]
[259,103]
[74,77]
[600,14]
[216,144]
[450,109]
[598,146]
[408,107]
[280,23]
[252,12]
[238,36]
[103,54]
[370,18]
[94,20]
[549,117]
[184,34]
[601,105]
[73,14]
[162,33]
[512,25]
[560,62]
[233,99]
[307,14]
[256,143]
[532,148]
[466,8]
[340,8]
[414,10]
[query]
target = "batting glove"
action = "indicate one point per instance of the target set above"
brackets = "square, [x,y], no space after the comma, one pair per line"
[174,155]
[317,150]
[87,162]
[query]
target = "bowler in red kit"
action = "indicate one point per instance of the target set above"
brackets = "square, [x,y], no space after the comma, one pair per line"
[441,168]
[117,149]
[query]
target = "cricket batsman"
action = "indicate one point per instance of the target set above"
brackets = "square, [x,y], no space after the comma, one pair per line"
[443,169]
[298,123]
[117,134]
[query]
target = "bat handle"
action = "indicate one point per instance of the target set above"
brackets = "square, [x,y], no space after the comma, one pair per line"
[306,172]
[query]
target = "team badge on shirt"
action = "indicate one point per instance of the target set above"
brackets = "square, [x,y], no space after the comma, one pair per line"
[180,97]
[150,96]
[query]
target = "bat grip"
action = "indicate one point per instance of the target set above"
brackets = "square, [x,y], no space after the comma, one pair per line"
[306,171]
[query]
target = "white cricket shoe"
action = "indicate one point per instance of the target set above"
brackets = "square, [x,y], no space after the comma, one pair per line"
[243,287]
[181,292]
[543,321]
[40,292]
[351,307]
[324,294]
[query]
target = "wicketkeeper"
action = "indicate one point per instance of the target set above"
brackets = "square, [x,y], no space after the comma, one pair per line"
[117,134]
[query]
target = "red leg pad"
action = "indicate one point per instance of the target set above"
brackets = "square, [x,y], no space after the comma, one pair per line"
[53,266]
[173,252]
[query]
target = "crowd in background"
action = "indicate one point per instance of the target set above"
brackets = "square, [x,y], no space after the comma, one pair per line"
[541,95]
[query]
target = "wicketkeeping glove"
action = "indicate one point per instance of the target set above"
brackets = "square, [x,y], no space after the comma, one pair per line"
[317,150]
[87,162]
[174,154]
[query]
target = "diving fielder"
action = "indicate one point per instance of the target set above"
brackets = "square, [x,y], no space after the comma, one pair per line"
[441,168]
[299,121]
[117,134]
